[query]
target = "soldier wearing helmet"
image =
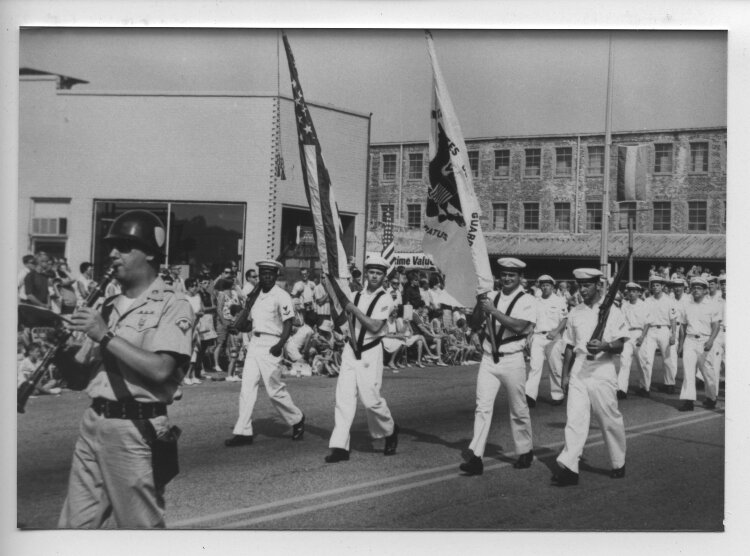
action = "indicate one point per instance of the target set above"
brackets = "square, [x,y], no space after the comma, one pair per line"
[138,347]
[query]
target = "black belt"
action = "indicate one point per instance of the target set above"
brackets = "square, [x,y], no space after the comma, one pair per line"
[659,325]
[258,334]
[699,336]
[128,410]
[635,328]
[542,332]
[506,354]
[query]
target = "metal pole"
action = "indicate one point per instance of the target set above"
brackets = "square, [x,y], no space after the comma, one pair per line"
[630,247]
[607,144]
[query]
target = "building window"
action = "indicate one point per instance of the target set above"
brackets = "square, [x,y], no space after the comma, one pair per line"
[474,163]
[499,216]
[626,213]
[387,212]
[562,217]
[699,158]
[533,165]
[564,161]
[531,216]
[593,216]
[662,216]
[389,167]
[596,161]
[414,216]
[724,216]
[502,163]
[663,158]
[697,221]
[415,166]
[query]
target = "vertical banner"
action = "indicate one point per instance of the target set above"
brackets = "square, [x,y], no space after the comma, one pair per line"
[389,247]
[632,170]
[452,232]
[327,226]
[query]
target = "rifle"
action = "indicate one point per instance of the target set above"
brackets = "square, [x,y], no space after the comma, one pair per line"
[609,300]
[28,386]
[243,322]
[335,293]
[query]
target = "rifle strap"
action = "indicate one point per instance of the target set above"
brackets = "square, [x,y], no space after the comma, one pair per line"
[361,346]
[499,341]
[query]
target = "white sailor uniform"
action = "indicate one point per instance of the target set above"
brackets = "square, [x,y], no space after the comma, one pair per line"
[549,313]
[510,372]
[269,312]
[661,313]
[636,316]
[592,387]
[363,376]
[698,319]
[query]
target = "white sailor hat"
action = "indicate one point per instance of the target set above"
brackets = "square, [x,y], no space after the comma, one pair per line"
[679,282]
[656,279]
[546,278]
[711,278]
[633,286]
[376,261]
[269,263]
[587,274]
[511,264]
[325,326]
[698,281]
[722,278]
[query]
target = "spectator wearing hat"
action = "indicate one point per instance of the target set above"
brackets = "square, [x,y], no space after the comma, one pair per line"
[700,327]
[362,370]
[635,313]
[551,317]
[272,315]
[511,313]
[303,292]
[659,332]
[593,381]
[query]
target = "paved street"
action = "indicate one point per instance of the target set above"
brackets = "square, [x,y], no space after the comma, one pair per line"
[675,464]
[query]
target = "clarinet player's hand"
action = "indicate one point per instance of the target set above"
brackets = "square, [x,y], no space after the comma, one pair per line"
[90,322]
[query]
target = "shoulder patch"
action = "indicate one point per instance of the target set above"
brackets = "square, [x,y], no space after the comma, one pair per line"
[184,324]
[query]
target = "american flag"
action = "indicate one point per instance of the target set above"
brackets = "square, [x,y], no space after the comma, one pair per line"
[389,248]
[327,226]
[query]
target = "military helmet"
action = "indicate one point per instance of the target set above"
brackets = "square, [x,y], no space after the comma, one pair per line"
[140,227]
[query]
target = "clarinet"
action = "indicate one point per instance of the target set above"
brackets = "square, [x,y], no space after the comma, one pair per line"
[29,385]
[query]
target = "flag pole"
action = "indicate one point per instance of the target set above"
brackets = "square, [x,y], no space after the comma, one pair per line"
[603,255]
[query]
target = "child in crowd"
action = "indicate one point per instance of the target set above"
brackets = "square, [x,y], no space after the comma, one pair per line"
[321,350]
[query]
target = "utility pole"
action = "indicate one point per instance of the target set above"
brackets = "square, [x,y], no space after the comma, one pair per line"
[603,255]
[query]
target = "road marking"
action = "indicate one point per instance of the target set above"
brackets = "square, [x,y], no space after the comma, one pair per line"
[662,425]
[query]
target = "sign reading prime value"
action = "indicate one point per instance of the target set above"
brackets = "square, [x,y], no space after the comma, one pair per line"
[418,260]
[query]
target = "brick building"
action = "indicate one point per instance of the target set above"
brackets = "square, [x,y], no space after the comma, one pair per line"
[541,198]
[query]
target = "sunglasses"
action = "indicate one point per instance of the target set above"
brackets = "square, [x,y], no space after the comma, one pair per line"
[122,245]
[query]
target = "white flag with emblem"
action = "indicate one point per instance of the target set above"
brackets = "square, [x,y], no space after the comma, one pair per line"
[452,232]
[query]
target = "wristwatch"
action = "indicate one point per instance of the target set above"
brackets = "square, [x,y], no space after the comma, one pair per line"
[104,342]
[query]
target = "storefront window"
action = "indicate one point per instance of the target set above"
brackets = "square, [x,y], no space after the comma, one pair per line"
[201,236]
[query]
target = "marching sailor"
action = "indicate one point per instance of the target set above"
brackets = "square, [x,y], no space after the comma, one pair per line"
[362,370]
[593,382]
[635,312]
[512,313]
[660,332]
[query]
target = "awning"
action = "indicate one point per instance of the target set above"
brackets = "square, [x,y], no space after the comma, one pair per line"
[661,247]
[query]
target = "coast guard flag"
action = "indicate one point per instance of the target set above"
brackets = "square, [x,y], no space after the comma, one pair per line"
[632,167]
[452,233]
[327,227]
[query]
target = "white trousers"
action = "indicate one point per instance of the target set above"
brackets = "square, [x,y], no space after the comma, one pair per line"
[363,377]
[693,356]
[593,387]
[657,337]
[629,349]
[510,372]
[551,351]
[260,363]
[716,355]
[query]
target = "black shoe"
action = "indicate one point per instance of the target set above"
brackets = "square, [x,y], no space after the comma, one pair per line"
[643,393]
[391,442]
[622,395]
[564,477]
[524,460]
[238,440]
[530,401]
[668,389]
[618,473]
[472,467]
[337,455]
[687,405]
[298,430]
[709,403]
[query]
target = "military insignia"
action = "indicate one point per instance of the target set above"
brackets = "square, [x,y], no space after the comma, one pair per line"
[184,324]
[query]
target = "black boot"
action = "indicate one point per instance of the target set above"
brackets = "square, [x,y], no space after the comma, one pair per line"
[524,460]
[472,467]
[391,442]
[337,455]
